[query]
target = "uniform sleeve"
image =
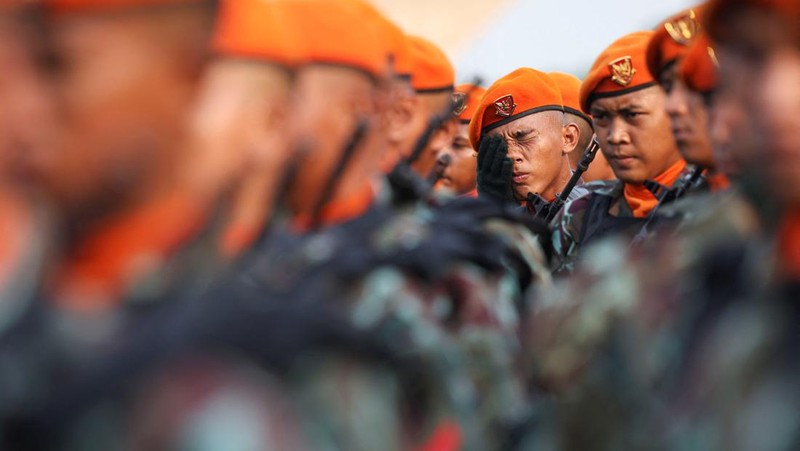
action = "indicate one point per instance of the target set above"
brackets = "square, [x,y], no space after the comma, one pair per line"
[566,232]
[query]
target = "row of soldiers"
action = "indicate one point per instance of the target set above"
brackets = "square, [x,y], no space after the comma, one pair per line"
[279,224]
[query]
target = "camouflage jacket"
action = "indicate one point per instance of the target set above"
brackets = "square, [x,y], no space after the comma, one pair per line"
[669,336]
[589,217]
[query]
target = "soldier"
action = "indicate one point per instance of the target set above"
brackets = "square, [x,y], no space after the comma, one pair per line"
[131,193]
[570,86]
[433,80]
[123,75]
[524,140]
[458,159]
[27,133]
[635,135]
[689,110]
[244,107]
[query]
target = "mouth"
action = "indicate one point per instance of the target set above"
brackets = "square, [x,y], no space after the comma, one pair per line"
[623,160]
[520,178]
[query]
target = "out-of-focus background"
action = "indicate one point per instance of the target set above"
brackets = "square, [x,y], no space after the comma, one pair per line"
[490,38]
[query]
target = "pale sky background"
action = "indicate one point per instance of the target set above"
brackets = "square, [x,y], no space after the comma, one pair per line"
[492,38]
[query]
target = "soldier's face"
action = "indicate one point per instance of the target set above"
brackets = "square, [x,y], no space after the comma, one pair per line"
[688,114]
[330,102]
[635,133]
[460,175]
[428,106]
[537,149]
[760,68]
[239,123]
[27,121]
[123,92]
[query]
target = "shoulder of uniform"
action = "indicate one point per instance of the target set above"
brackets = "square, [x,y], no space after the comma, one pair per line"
[605,187]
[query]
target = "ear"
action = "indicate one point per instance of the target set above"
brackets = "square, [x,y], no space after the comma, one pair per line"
[571,135]
[443,137]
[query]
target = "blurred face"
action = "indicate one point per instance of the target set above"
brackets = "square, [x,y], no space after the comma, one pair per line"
[330,102]
[238,125]
[635,134]
[538,149]
[123,91]
[760,68]
[688,114]
[27,122]
[428,107]
[460,175]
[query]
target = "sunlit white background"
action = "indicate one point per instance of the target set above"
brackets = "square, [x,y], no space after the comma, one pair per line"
[491,38]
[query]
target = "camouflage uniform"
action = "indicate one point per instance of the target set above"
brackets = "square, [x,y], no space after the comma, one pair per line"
[668,337]
[587,219]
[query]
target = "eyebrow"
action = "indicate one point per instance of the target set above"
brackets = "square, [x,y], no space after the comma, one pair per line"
[628,106]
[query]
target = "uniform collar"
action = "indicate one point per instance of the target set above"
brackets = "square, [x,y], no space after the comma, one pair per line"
[125,249]
[640,200]
[339,210]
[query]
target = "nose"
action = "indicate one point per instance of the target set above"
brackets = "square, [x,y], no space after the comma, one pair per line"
[617,133]
[514,153]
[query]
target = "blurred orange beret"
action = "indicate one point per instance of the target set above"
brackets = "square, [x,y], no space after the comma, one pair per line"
[466,98]
[672,39]
[70,6]
[347,33]
[620,69]
[260,29]
[717,10]
[570,87]
[520,93]
[432,70]
[400,50]
[10,5]
[698,69]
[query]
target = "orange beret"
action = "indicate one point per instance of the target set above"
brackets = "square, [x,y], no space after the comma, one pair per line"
[348,33]
[620,69]
[466,98]
[260,29]
[520,93]
[672,38]
[570,87]
[718,9]
[400,50]
[432,70]
[71,6]
[699,67]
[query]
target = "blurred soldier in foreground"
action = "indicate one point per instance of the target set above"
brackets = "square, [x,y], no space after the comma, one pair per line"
[433,80]
[459,158]
[244,109]
[635,136]
[570,87]
[27,138]
[124,77]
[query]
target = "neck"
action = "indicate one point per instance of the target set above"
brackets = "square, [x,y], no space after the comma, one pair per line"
[558,185]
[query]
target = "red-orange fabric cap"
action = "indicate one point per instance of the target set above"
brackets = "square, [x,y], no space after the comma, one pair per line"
[521,93]
[672,39]
[620,69]
[699,67]
[466,98]
[349,33]
[432,70]
[260,29]
[570,87]
[403,63]
[72,6]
